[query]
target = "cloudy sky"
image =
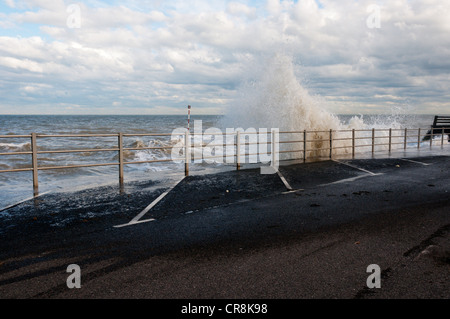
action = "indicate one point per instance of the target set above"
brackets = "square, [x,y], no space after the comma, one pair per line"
[156,57]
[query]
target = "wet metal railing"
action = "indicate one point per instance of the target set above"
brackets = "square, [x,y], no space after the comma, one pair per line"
[310,144]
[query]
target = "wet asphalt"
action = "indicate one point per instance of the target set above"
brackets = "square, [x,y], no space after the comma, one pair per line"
[240,235]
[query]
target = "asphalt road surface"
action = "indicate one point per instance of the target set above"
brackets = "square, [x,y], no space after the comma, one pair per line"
[240,235]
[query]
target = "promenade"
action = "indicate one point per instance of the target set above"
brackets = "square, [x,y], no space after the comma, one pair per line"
[309,232]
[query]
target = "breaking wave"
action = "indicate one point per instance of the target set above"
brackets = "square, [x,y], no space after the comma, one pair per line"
[274,97]
[15,147]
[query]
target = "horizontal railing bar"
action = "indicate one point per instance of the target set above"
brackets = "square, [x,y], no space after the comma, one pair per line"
[255,143]
[153,161]
[398,143]
[16,153]
[364,138]
[150,148]
[253,154]
[281,142]
[79,151]
[148,134]
[15,170]
[224,155]
[215,145]
[219,156]
[229,145]
[367,145]
[318,157]
[370,137]
[344,139]
[293,151]
[319,131]
[293,132]
[244,133]
[318,149]
[15,136]
[76,166]
[211,145]
[232,134]
[78,135]
[382,144]
[341,147]
[318,140]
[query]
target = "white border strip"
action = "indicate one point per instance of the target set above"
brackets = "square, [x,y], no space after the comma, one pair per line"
[351,179]
[285,182]
[134,223]
[421,163]
[356,167]
[22,201]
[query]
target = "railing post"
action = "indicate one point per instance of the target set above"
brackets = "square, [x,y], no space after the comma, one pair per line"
[390,139]
[373,140]
[431,138]
[273,147]
[418,138]
[304,146]
[406,134]
[331,144]
[34,164]
[120,141]
[238,150]
[187,153]
[353,143]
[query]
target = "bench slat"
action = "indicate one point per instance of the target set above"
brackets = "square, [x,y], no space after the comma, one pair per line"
[441,121]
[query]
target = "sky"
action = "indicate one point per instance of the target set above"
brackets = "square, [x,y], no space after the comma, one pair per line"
[156,57]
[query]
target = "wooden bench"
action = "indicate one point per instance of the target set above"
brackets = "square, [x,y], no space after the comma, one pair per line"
[441,126]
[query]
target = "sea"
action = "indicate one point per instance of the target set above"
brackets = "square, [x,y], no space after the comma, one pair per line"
[18,186]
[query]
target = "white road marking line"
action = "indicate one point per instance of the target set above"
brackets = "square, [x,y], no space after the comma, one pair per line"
[285,182]
[152,204]
[293,191]
[23,201]
[356,167]
[351,179]
[134,223]
[408,160]
[135,220]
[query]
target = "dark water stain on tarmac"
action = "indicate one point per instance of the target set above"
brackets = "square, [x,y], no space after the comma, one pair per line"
[57,210]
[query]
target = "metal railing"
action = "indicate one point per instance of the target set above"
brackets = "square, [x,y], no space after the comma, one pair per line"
[311,145]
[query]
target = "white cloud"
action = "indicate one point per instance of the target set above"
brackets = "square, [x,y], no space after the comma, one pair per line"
[172,53]
[52,5]
[238,9]
[35,87]
[10,3]
[25,64]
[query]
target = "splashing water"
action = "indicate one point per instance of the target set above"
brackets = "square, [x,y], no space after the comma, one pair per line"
[273,97]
